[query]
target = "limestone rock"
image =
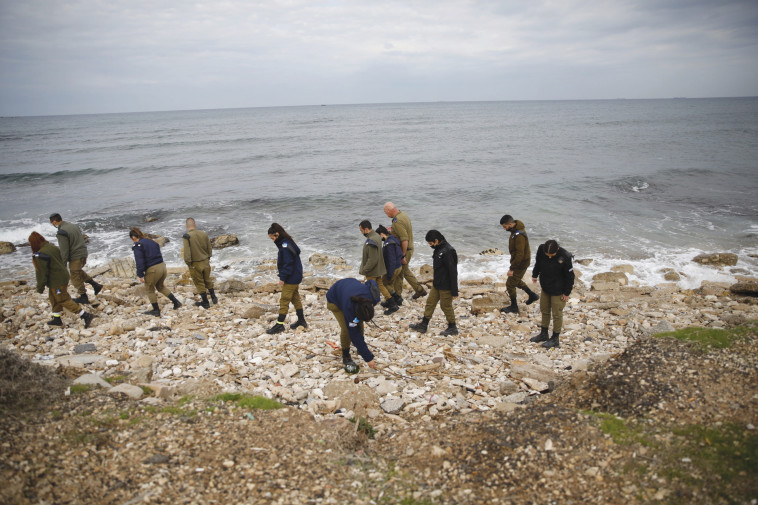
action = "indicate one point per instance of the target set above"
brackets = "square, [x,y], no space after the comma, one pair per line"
[289,369]
[92,379]
[232,286]
[223,241]
[619,277]
[84,348]
[748,287]
[662,327]
[486,304]
[508,387]
[393,405]
[81,360]
[716,259]
[605,286]
[160,390]
[493,251]
[321,260]
[254,312]
[123,268]
[521,369]
[671,275]
[149,219]
[161,241]
[7,248]
[133,392]
[585,261]
[627,269]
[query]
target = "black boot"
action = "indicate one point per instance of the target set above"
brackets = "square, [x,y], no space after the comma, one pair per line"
[419,294]
[348,363]
[541,336]
[204,302]
[156,311]
[398,299]
[213,296]
[391,306]
[300,320]
[421,326]
[533,297]
[452,329]
[278,325]
[55,321]
[553,342]
[82,299]
[512,308]
[87,318]
[95,285]
[176,302]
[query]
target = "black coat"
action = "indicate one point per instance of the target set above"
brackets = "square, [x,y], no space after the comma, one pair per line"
[446,268]
[556,274]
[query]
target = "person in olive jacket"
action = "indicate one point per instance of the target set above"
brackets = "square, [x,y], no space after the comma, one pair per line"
[73,249]
[372,264]
[554,268]
[290,276]
[521,256]
[151,270]
[197,252]
[51,273]
[444,285]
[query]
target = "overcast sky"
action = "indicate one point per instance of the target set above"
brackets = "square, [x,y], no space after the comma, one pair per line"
[85,56]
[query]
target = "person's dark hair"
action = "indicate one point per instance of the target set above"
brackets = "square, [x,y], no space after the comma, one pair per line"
[277,228]
[551,247]
[433,235]
[136,233]
[381,230]
[55,217]
[506,219]
[364,308]
[365,224]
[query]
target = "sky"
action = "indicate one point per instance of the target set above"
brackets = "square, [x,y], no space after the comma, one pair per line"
[94,56]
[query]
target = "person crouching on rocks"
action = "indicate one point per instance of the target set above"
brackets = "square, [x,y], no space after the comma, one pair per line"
[392,252]
[352,303]
[556,274]
[444,286]
[290,276]
[51,272]
[151,270]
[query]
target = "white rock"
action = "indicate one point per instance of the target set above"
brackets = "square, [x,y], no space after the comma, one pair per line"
[289,370]
[92,379]
[133,392]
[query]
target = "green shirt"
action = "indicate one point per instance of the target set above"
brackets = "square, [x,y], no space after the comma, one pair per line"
[50,269]
[372,264]
[71,242]
[402,229]
[197,246]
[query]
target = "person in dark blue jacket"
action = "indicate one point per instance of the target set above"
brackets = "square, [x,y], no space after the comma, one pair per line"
[290,276]
[151,270]
[393,261]
[352,303]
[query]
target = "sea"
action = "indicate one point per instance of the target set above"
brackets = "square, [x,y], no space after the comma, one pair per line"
[650,183]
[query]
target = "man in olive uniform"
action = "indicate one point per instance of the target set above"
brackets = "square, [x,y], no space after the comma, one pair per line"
[521,257]
[372,263]
[402,229]
[74,252]
[197,255]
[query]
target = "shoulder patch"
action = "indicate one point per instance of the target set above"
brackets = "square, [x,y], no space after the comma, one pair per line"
[62,232]
[284,245]
[186,235]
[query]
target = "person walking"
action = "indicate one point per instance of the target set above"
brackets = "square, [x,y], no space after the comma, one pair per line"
[197,255]
[372,264]
[74,253]
[290,276]
[51,273]
[444,285]
[518,246]
[392,252]
[403,230]
[554,268]
[352,303]
[151,270]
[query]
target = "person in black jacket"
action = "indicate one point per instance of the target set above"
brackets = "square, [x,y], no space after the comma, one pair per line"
[151,270]
[556,274]
[290,276]
[445,284]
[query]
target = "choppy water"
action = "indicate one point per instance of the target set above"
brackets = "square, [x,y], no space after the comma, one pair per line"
[650,182]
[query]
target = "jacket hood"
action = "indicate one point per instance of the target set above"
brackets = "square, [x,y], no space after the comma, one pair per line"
[519,226]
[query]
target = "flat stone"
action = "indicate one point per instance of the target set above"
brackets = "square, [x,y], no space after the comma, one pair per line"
[627,269]
[662,327]
[393,405]
[318,260]
[748,287]
[585,261]
[716,259]
[508,387]
[385,388]
[92,379]
[605,286]
[520,370]
[254,312]
[84,348]
[81,360]
[289,369]
[492,340]
[133,392]
[619,277]
[536,385]
[160,390]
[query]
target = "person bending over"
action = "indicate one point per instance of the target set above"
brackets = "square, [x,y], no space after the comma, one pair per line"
[352,303]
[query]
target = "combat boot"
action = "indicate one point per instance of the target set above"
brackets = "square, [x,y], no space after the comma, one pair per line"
[553,342]
[398,299]
[300,320]
[533,297]
[541,336]
[278,325]
[421,326]
[55,321]
[155,311]
[419,294]
[176,302]
[95,285]
[348,363]
[87,318]
[203,302]
[512,308]
[213,296]
[391,306]
[82,299]
[452,329]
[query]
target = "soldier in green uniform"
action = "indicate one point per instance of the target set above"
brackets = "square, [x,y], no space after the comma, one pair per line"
[403,230]
[372,263]
[521,257]
[51,274]
[74,252]
[197,253]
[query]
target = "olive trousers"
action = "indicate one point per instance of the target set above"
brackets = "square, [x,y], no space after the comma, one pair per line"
[290,294]
[155,276]
[552,305]
[515,281]
[445,299]
[408,276]
[60,299]
[200,271]
[340,317]
[78,275]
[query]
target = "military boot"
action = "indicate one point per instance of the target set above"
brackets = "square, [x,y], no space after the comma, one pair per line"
[87,318]
[176,302]
[419,294]
[512,308]
[421,326]
[452,329]
[552,342]
[391,306]
[398,299]
[348,363]
[203,302]
[300,320]
[95,285]
[55,321]
[155,311]
[82,299]
[213,296]
[278,325]
[541,336]
[533,297]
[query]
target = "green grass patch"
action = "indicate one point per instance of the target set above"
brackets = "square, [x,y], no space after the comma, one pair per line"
[116,379]
[246,401]
[77,389]
[184,400]
[707,338]
[622,432]
[147,390]
[364,427]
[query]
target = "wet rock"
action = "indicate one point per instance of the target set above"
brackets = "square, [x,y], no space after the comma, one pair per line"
[716,259]
[672,276]
[393,405]
[158,239]
[585,261]
[84,348]
[627,269]
[92,379]
[133,392]
[619,277]
[7,248]
[149,219]
[747,287]
[320,260]
[492,252]
[223,241]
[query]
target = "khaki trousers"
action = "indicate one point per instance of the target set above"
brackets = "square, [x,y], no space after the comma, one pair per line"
[445,299]
[60,299]
[155,276]
[552,305]
[200,271]
[78,275]
[340,317]
[408,276]
[290,294]
[382,288]
[392,279]
[515,281]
